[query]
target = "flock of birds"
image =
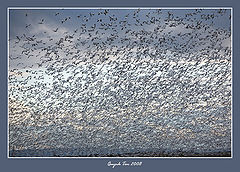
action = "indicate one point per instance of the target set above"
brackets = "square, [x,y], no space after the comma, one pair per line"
[148,80]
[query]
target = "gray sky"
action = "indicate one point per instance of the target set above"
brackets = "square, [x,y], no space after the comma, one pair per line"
[78,23]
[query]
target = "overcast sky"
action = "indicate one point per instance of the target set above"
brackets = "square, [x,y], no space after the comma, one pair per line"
[48,26]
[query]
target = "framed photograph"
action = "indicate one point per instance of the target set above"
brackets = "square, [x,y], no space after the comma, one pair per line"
[120,82]
[124,87]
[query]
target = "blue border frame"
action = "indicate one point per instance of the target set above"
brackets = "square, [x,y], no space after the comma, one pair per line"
[25,165]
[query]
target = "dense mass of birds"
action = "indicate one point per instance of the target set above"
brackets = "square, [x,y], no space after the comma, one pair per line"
[108,81]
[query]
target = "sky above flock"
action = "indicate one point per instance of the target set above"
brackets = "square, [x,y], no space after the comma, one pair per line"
[50,25]
[19,20]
